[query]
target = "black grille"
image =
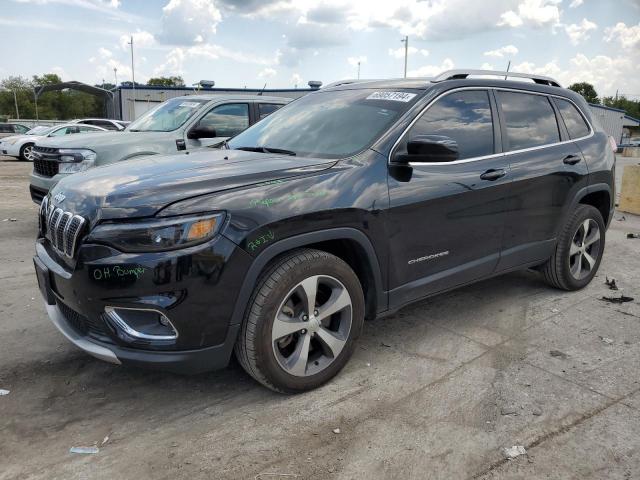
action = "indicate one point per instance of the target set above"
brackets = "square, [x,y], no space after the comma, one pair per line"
[45,168]
[61,228]
[46,161]
[82,324]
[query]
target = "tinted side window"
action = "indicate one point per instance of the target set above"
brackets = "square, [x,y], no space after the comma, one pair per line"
[463,116]
[265,109]
[529,120]
[6,128]
[573,120]
[228,120]
[20,128]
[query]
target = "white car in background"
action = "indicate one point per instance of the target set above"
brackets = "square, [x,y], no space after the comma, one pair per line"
[21,146]
[106,123]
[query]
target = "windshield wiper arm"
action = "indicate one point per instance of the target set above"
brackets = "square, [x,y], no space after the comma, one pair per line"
[267,150]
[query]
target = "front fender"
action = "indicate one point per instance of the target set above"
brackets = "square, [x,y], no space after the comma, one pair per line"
[298,241]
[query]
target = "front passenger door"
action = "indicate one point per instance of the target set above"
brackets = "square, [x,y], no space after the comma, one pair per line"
[446,219]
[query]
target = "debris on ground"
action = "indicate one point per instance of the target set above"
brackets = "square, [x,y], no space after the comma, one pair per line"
[611,283]
[536,410]
[385,345]
[4,392]
[84,450]
[104,441]
[620,299]
[622,218]
[606,340]
[336,431]
[558,354]
[555,310]
[509,410]
[514,451]
[368,364]
[10,220]
[633,235]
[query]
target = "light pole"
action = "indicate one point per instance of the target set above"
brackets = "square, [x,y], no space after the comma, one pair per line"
[405,40]
[133,81]
[358,69]
[115,74]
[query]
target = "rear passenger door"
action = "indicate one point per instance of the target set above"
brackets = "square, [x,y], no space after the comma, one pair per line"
[446,219]
[546,169]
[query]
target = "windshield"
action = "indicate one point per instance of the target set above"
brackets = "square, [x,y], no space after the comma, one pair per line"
[167,116]
[40,130]
[332,124]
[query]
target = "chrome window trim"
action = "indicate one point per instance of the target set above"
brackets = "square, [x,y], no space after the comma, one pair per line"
[494,155]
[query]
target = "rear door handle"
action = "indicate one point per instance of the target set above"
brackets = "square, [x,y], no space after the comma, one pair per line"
[493,174]
[571,159]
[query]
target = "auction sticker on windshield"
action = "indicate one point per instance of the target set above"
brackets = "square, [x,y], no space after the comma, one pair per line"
[189,104]
[392,96]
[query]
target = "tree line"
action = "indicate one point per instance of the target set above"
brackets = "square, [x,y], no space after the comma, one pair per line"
[588,91]
[58,105]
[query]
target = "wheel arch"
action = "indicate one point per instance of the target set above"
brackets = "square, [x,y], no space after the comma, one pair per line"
[349,244]
[599,196]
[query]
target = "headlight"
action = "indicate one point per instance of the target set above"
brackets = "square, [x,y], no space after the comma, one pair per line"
[76,160]
[8,142]
[158,234]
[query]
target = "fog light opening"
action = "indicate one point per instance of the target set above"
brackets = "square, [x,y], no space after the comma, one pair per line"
[142,324]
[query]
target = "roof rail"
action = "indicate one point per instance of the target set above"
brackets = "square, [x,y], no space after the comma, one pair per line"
[458,74]
[349,81]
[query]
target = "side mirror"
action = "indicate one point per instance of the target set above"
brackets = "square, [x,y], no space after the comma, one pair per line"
[429,148]
[202,131]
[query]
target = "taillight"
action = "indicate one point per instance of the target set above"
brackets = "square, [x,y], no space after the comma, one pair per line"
[614,145]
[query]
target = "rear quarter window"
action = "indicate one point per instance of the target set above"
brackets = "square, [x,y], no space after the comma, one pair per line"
[573,119]
[529,120]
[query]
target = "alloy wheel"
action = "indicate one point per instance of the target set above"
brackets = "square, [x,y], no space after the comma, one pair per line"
[312,325]
[585,249]
[28,153]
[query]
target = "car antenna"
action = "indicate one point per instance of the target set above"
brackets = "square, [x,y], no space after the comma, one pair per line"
[262,91]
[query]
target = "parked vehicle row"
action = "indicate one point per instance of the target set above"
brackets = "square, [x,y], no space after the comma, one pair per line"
[9,129]
[21,146]
[179,124]
[344,205]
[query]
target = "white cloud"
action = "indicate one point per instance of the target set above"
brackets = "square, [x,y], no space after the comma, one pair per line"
[187,22]
[579,32]
[508,50]
[267,72]
[534,13]
[141,39]
[487,66]
[432,70]
[399,52]
[176,58]
[606,73]
[104,63]
[628,37]
[576,3]
[296,79]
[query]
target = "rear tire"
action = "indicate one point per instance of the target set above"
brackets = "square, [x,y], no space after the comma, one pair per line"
[578,252]
[302,321]
[26,152]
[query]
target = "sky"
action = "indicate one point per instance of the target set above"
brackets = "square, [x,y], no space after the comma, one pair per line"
[286,43]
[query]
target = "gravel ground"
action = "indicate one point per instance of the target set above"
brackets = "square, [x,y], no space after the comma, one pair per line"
[436,391]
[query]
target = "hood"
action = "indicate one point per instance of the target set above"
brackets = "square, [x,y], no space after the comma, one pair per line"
[100,140]
[139,188]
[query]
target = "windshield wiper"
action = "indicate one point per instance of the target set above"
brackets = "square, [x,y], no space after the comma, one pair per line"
[267,150]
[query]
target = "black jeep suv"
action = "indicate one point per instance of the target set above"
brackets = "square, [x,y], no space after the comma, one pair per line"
[347,204]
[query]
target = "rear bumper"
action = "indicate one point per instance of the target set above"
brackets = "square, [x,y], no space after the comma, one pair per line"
[182,362]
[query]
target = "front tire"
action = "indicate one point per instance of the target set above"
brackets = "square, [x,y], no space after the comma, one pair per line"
[26,152]
[579,250]
[302,322]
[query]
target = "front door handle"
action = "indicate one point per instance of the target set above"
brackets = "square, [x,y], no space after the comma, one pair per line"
[493,174]
[571,159]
